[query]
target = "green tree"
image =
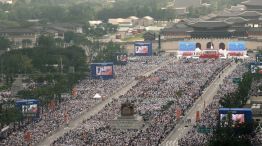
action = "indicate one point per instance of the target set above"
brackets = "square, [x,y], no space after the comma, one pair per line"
[240,96]
[4,43]
[228,133]
[26,43]
[108,53]
[9,113]
[46,42]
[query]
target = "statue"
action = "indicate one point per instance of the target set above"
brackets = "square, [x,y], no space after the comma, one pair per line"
[127,109]
[128,119]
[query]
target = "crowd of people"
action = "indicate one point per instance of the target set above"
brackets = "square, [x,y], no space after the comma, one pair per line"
[53,118]
[174,86]
[5,94]
[210,116]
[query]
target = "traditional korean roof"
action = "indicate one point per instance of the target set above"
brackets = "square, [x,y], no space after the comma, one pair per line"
[179,27]
[236,20]
[253,3]
[210,24]
[250,14]
[227,13]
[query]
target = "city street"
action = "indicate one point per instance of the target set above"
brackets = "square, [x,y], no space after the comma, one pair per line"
[180,130]
[76,122]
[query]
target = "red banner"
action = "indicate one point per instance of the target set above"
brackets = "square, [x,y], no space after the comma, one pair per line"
[185,54]
[178,113]
[27,136]
[236,54]
[197,116]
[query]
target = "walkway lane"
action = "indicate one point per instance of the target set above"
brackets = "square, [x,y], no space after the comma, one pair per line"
[206,98]
[93,111]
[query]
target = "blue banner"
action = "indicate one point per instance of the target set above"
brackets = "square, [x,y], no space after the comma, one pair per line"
[187,46]
[236,46]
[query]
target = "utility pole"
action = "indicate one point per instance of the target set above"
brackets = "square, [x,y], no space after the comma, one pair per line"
[61,65]
[159,44]
[2,75]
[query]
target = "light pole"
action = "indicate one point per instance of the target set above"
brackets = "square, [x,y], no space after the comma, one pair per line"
[2,75]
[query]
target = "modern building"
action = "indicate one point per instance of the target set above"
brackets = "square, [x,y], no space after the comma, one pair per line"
[121,22]
[146,21]
[7,1]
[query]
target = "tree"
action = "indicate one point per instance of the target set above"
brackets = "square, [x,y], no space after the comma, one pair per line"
[46,42]
[70,36]
[4,43]
[240,96]
[228,133]
[26,43]
[108,53]
[74,38]
[9,113]
[14,63]
[138,8]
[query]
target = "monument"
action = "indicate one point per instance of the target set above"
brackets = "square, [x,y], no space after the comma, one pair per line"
[127,110]
[128,118]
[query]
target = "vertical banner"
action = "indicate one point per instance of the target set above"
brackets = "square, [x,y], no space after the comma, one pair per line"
[53,105]
[178,113]
[66,118]
[197,116]
[27,136]
[74,92]
[186,49]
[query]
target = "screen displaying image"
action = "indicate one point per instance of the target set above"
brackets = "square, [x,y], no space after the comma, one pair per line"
[259,69]
[256,68]
[29,108]
[141,49]
[236,118]
[104,70]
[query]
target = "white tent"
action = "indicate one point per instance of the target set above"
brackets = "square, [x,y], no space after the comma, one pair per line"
[222,52]
[197,50]
[97,96]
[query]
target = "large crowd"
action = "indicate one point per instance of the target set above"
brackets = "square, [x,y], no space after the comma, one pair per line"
[209,117]
[51,119]
[176,85]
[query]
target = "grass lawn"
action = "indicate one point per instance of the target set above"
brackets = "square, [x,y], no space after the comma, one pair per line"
[137,37]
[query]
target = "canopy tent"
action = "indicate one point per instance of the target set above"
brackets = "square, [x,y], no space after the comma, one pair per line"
[97,96]
[197,50]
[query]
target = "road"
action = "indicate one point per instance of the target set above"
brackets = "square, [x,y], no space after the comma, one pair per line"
[93,111]
[206,98]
